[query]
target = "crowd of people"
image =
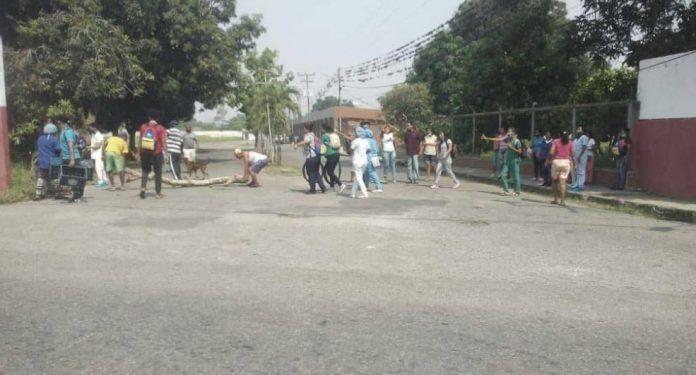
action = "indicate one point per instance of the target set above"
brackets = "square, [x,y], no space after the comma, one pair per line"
[369,153]
[560,162]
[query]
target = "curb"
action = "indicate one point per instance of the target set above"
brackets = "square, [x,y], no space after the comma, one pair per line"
[651,210]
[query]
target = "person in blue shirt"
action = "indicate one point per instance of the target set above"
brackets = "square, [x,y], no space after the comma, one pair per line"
[544,151]
[537,144]
[70,154]
[47,147]
[371,170]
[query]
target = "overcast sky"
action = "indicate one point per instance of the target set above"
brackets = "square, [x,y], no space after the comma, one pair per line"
[319,36]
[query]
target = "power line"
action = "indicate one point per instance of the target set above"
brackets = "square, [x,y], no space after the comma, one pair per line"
[666,61]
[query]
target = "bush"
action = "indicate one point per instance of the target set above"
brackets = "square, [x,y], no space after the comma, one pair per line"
[22,187]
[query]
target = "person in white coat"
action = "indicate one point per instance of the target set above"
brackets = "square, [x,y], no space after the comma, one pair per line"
[359,145]
[95,145]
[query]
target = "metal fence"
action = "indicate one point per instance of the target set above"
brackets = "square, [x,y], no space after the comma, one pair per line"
[602,119]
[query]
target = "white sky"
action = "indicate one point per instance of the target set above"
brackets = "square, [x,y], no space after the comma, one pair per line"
[319,36]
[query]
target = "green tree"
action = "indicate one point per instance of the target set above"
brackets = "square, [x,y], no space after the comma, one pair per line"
[636,30]
[120,59]
[500,53]
[266,84]
[238,122]
[330,101]
[408,103]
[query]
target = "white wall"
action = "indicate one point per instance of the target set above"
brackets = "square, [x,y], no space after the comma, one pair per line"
[667,87]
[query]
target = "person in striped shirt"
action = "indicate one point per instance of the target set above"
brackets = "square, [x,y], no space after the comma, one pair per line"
[175,145]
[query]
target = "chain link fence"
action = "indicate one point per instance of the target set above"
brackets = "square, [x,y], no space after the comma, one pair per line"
[603,120]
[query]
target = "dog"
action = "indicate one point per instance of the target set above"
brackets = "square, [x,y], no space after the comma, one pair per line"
[195,166]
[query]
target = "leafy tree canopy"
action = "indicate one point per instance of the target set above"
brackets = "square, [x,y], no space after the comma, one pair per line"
[120,59]
[330,101]
[500,53]
[636,30]
[408,103]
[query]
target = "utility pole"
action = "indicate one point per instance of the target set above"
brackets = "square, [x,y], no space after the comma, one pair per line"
[340,88]
[5,165]
[307,81]
[268,118]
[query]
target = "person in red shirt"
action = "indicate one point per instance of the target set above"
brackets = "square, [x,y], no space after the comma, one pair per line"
[413,140]
[153,137]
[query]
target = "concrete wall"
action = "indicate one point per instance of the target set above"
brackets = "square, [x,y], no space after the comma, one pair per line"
[663,154]
[667,87]
[665,135]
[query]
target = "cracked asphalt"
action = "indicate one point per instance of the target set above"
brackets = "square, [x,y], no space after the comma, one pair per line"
[233,280]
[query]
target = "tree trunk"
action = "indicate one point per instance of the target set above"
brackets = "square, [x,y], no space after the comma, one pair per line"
[189,182]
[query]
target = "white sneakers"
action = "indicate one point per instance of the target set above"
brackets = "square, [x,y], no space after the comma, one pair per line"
[456,185]
[435,186]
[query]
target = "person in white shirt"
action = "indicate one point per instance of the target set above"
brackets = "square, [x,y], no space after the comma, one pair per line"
[429,151]
[591,146]
[444,161]
[359,146]
[95,145]
[389,152]
[252,164]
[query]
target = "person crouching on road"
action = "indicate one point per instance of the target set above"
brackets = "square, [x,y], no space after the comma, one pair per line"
[252,164]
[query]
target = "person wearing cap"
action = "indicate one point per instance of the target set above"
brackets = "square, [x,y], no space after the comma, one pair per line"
[252,164]
[151,143]
[47,147]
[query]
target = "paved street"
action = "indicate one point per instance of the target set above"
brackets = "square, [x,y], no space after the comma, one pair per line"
[226,280]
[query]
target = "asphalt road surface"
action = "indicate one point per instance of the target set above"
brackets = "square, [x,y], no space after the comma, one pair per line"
[234,280]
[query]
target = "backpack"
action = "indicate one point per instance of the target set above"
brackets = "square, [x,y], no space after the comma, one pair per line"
[334,141]
[81,143]
[318,147]
[148,141]
[523,154]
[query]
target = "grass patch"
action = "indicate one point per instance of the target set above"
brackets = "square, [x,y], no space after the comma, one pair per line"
[22,187]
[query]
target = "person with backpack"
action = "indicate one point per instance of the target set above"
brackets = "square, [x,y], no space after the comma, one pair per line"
[153,138]
[332,142]
[444,161]
[513,157]
[312,152]
[71,155]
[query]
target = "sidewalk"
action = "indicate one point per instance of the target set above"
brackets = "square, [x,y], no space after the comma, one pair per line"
[629,201]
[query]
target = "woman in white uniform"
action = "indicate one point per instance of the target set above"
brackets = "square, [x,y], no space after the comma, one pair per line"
[252,163]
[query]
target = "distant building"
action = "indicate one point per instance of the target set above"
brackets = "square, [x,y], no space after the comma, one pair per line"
[350,117]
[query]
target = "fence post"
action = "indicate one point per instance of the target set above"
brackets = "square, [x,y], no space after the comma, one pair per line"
[574,119]
[473,134]
[531,134]
[500,118]
[630,115]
